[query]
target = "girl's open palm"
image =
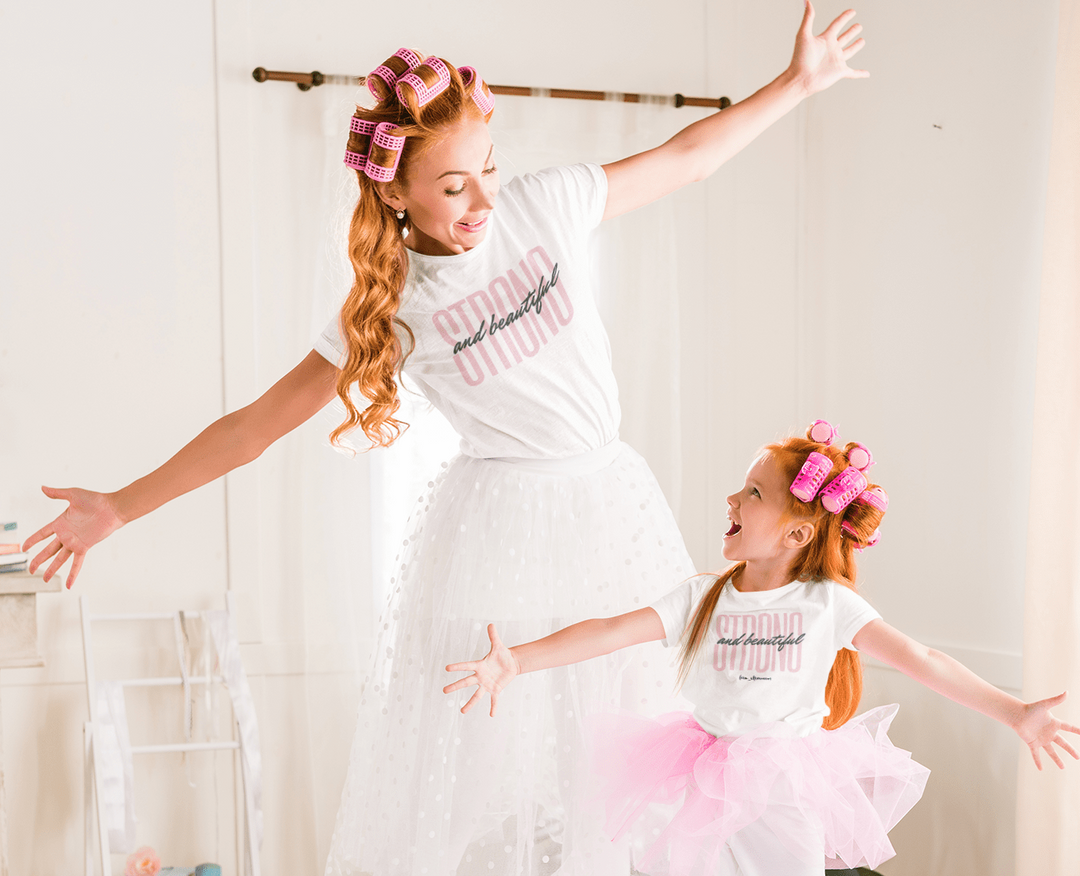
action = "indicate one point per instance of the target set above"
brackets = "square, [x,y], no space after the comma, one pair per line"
[819,61]
[88,519]
[491,674]
[1041,730]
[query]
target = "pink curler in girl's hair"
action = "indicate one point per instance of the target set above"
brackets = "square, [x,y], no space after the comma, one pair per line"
[425,92]
[870,542]
[481,94]
[876,497]
[385,76]
[860,457]
[823,432]
[843,489]
[811,476]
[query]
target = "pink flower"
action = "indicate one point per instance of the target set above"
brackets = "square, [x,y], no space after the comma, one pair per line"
[142,862]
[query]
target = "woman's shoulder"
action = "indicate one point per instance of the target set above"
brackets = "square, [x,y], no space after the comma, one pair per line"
[561,191]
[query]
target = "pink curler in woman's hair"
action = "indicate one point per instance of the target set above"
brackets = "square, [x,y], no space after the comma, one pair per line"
[481,94]
[822,431]
[811,476]
[842,489]
[424,92]
[385,153]
[383,78]
[860,456]
[870,542]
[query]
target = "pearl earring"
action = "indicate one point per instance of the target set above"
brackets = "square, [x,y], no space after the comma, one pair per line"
[400,214]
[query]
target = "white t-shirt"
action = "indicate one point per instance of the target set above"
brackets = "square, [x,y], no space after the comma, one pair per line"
[766,655]
[509,343]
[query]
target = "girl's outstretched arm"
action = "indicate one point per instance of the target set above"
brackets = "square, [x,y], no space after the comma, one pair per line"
[228,443]
[572,644]
[698,150]
[1032,722]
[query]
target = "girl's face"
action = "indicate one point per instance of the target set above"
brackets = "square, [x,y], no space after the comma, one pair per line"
[450,191]
[757,514]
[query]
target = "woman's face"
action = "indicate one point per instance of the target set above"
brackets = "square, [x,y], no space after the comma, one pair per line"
[450,191]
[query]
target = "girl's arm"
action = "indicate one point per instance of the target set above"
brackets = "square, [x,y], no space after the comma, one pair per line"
[235,439]
[1032,722]
[698,150]
[572,644]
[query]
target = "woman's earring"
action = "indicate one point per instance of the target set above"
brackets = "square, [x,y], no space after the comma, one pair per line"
[400,214]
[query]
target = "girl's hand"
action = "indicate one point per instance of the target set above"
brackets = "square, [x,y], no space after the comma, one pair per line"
[1039,729]
[491,674]
[820,61]
[89,518]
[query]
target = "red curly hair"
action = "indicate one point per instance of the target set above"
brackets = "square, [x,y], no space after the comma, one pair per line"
[830,555]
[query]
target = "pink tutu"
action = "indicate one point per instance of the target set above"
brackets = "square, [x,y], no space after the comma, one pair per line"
[850,785]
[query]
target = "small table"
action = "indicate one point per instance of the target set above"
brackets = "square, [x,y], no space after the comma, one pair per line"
[18,649]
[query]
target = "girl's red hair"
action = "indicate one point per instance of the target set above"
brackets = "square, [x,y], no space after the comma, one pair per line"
[830,556]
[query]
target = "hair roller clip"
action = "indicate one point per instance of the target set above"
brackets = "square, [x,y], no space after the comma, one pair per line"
[842,489]
[385,153]
[811,476]
[860,456]
[876,497]
[822,431]
[481,94]
[355,160]
[870,542]
[425,92]
[383,78]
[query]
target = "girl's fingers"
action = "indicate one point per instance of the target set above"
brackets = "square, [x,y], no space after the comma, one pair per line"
[473,700]
[1054,757]
[56,493]
[462,667]
[493,635]
[494,702]
[1070,728]
[40,535]
[807,26]
[1066,746]
[460,683]
[1035,757]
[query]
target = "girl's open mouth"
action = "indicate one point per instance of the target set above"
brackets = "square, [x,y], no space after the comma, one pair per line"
[734,529]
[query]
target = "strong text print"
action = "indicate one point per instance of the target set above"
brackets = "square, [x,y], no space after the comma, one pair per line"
[763,641]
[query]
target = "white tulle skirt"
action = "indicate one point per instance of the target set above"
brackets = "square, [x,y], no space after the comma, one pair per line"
[531,547]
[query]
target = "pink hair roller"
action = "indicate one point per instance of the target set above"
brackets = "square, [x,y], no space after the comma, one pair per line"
[387,76]
[860,457]
[823,432]
[811,476]
[876,497]
[483,98]
[850,530]
[385,140]
[425,93]
[362,126]
[355,160]
[843,489]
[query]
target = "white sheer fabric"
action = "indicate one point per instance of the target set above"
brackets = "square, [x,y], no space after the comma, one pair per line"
[1048,803]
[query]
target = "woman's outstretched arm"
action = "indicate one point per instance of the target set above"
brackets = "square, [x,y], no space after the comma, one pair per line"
[572,644]
[698,150]
[1032,722]
[228,443]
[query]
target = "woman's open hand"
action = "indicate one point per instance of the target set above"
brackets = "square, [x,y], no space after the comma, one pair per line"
[1041,730]
[491,674]
[88,519]
[820,61]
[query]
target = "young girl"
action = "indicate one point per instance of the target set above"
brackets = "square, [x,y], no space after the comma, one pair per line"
[484,297]
[771,774]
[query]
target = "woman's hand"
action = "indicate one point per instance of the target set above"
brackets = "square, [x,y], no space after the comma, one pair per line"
[820,61]
[88,519]
[491,674]
[1039,729]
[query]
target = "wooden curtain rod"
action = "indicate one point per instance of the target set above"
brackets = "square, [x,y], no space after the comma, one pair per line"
[307,81]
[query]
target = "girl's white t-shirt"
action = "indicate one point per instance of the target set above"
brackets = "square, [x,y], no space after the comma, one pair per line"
[766,655]
[509,345]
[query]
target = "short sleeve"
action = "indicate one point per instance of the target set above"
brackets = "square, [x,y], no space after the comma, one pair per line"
[575,194]
[676,608]
[329,344]
[851,613]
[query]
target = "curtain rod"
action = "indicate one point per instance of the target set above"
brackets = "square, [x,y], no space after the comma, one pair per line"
[307,81]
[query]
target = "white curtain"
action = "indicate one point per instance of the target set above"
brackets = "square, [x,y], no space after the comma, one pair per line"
[1048,803]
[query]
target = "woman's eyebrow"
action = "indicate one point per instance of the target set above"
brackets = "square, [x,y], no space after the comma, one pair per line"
[462,172]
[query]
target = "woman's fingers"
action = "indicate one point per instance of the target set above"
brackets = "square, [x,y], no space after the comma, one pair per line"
[76,566]
[848,35]
[40,535]
[48,551]
[1054,756]
[1061,741]
[61,558]
[843,18]
[806,28]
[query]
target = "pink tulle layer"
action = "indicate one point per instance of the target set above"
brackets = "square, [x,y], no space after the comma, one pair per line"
[850,785]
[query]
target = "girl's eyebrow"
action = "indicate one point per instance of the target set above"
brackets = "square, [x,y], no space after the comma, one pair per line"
[462,172]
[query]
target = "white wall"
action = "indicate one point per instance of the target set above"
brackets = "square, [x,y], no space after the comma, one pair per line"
[150,279]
